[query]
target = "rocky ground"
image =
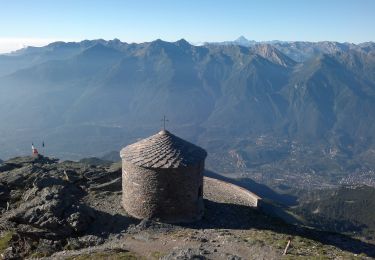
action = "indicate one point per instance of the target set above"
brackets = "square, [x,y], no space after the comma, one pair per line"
[70,210]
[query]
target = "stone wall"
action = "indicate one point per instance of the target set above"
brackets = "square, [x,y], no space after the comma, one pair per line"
[225,190]
[169,195]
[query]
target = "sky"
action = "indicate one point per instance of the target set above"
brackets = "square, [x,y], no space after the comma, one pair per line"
[39,22]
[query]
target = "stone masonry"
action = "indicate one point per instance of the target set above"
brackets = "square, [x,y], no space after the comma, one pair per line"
[162,178]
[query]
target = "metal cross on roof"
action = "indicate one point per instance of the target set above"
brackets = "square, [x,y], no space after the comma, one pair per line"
[164,120]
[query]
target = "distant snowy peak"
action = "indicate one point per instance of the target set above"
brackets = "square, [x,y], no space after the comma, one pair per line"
[244,42]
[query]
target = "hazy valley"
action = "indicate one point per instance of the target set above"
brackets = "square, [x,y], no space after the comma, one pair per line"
[253,108]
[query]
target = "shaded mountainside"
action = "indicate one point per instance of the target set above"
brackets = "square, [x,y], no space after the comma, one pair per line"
[70,210]
[346,209]
[248,106]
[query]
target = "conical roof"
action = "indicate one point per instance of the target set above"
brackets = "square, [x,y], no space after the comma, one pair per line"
[163,150]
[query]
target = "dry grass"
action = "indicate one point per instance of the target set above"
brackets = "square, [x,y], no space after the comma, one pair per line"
[5,240]
[108,255]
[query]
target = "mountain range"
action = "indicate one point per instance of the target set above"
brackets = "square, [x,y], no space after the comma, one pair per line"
[246,102]
[302,50]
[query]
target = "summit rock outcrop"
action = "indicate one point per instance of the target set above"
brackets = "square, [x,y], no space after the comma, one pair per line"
[68,210]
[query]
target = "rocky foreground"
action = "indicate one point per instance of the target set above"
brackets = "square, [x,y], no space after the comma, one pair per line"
[71,210]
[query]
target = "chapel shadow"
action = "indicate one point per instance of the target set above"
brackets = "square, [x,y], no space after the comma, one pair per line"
[229,216]
[105,224]
[232,216]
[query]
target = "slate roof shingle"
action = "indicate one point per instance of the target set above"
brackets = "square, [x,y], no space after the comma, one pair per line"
[163,150]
